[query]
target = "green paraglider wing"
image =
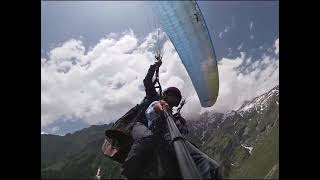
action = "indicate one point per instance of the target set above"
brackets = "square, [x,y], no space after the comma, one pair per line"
[185,26]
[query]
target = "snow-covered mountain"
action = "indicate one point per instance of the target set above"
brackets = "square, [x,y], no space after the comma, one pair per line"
[232,137]
[261,103]
[244,142]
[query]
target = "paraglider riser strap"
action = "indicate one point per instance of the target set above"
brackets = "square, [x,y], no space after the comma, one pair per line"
[177,138]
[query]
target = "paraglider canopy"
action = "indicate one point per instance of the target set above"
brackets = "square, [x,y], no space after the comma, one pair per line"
[186,28]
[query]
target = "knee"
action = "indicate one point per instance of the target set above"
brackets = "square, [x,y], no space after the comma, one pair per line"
[140,132]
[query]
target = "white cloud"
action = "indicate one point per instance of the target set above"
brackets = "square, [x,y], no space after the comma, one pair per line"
[251,25]
[103,84]
[235,87]
[71,50]
[55,129]
[240,46]
[43,132]
[229,52]
[276,45]
[226,29]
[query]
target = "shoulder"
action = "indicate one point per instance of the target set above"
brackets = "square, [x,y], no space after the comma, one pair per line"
[148,100]
[151,106]
[153,103]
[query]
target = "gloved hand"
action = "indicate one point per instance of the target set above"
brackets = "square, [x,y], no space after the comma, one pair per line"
[158,57]
[158,63]
[161,106]
[159,60]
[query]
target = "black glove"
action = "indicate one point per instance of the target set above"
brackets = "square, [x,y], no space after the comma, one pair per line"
[158,57]
[158,63]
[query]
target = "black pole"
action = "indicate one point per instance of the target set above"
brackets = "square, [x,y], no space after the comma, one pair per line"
[187,166]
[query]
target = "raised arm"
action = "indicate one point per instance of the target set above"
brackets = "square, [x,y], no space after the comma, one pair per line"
[148,83]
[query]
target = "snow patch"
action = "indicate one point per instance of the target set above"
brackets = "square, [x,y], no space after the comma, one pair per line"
[98,176]
[225,116]
[247,107]
[275,91]
[203,133]
[246,147]
[259,99]
[264,102]
[277,102]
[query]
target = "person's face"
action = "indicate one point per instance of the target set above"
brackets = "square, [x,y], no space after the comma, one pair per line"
[172,99]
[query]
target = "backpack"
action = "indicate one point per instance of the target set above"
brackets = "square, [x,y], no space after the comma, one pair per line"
[118,140]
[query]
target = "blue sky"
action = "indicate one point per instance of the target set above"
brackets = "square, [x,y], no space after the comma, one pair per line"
[93,20]
[244,32]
